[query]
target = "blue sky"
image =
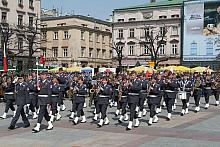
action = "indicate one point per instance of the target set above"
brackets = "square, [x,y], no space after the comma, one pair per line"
[96,8]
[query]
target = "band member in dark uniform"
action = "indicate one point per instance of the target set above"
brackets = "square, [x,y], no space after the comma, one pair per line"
[207,90]
[143,96]
[160,81]
[104,92]
[122,101]
[80,94]
[63,83]
[9,88]
[153,100]
[185,87]
[171,86]
[21,97]
[55,89]
[44,98]
[134,88]
[197,92]
[72,95]
[216,88]
[32,96]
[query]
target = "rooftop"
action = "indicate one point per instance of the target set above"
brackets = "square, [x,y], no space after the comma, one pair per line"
[164,3]
[87,18]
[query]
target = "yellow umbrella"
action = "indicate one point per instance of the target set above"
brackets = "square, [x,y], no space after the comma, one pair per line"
[57,69]
[138,69]
[184,69]
[202,69]
[73,69]
[150,70]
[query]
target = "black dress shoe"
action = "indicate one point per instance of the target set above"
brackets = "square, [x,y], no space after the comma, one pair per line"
[27,125]
[35,131]
[128,129]
[99,125]
[168,119]
[49,129]
[11,127]
[119,121]
[181,114]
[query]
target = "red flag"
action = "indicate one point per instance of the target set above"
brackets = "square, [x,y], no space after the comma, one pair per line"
[41,59]
[147,74]
[5,61]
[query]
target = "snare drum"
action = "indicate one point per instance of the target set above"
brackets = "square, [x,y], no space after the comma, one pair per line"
[181,95]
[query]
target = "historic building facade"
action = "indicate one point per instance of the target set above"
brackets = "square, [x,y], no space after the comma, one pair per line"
[76,40]
[131,24]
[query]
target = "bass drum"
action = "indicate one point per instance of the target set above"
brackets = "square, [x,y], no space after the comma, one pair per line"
[181,95]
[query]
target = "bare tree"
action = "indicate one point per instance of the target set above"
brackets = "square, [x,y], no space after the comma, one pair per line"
[31,35]
[154,38]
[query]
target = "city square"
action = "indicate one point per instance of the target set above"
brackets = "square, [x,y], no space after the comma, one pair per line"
[136,73]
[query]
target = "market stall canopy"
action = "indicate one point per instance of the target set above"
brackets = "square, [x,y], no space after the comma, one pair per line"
[202,69]
[57,69]
[73,69]
[10,68]
[140,69]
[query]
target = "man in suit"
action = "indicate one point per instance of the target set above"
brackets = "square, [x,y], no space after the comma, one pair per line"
[21,96]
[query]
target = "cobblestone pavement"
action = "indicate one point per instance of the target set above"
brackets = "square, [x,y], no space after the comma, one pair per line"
[193,130]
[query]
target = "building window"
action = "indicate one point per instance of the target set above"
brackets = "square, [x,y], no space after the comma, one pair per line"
[146,50]
[97,37]
[31,21]
[162,49]
[97,53]
[55,52]
[175,16]
[20,20]
[90,52]
[83,51]
[55,36]
[103,54]
[20,44]
[82,35]
[103,39]
[147,32]
[31,3]
[120,20]
[66,35]
[44,52]
[162,31]
[209,48]
[4,17]
[174,30]
[193,49]
[110,54]
[131,34]
[65,52]
[163,17]
[131,19]
[44,35]
[90,37]
[174,49]
[20,2]
[131,50]
[120,33]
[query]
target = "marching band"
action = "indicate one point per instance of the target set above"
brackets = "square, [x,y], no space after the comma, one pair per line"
[133,95]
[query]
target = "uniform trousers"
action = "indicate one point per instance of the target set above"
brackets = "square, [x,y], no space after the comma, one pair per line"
[133,114]
[103,109]
[20,111]
[43,113]
[9,104]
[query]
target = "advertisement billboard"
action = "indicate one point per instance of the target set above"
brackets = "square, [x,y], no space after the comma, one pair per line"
[201,35]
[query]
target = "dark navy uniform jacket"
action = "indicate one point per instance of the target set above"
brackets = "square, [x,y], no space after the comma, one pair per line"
[32,89]
[133,92]
[9,89]
[171,89]
[44,94]
[104,94]
[81,94]
[21,94]
[154,94]
[55,90]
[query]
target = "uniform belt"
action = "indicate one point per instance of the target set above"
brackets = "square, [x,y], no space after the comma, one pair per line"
[43,95]
[133,94]
[54,95]
[103,96]
[152,96]
[143,91]
[123,96]
[31,93]
[169,91]
[9,93]
[80,95]
[207,87]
